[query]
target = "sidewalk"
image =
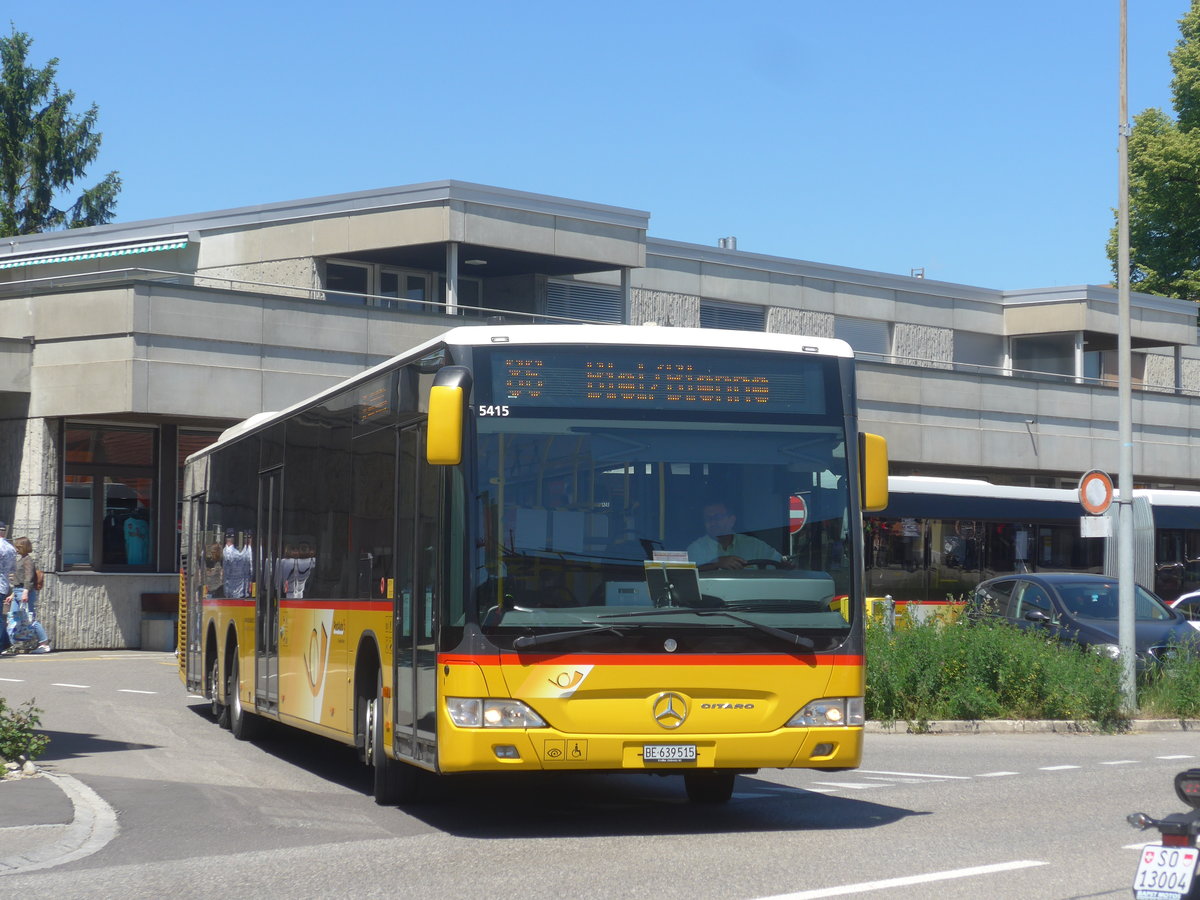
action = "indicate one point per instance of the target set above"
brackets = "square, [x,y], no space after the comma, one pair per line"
[47,820]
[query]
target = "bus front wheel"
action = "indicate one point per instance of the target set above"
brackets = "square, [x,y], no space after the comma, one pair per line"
[709,787]
[394,782]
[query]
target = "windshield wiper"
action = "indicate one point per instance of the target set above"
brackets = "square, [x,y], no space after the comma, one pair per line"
[792,640]
[549,637]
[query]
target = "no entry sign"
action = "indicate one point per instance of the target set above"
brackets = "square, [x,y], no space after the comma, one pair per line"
[798,514]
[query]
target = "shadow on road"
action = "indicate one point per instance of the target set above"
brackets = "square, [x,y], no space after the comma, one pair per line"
[558,804]
[567,805]
[70,745]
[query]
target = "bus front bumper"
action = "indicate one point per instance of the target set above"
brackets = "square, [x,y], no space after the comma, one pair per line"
[543,749]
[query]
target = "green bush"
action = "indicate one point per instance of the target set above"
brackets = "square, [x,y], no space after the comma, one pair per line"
[18,737]
[926,672]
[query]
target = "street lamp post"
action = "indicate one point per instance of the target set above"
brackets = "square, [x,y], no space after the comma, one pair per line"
[1125,566]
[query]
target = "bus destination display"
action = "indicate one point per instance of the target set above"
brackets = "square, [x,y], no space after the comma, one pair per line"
[604,377]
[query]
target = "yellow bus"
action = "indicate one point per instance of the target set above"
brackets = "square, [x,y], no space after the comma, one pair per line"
[522,548]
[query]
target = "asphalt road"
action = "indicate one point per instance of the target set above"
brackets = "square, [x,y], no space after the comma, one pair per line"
[201,814]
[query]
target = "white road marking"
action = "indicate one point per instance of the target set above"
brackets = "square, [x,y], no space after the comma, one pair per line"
[61,684]
[865,886]
[14,680]
[132,691]
[1177,756]
[852,785]
[914,774]
[1056,768]
[996,774]
[1120,762]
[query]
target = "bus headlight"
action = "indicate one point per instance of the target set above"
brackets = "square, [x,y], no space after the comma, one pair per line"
[829,711]
[482,712]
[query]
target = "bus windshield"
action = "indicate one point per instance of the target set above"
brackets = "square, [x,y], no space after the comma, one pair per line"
[601,532]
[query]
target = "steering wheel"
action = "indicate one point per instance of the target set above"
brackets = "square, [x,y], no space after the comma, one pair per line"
[764,563]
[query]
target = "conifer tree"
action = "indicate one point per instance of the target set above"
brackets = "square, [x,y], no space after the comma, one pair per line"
[45,149]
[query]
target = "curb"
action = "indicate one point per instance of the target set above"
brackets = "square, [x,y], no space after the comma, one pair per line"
[1028,726]
[93,825]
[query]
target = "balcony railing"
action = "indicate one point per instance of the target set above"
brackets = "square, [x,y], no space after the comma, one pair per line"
[482,314]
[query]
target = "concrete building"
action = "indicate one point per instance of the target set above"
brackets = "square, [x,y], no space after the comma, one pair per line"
[125,347]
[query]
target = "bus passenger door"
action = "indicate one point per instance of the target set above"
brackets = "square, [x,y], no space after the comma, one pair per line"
[415,676]
[404,643]
[266,604]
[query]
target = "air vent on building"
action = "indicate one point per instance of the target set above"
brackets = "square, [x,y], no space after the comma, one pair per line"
[593,302]
[735,316]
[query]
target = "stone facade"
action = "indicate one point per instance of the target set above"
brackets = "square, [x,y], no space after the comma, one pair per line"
[923,345]
[785,320]
[664,308]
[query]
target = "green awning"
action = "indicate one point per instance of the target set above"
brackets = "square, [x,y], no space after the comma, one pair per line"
[174,243]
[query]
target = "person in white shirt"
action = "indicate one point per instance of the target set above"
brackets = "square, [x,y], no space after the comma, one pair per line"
[720,547]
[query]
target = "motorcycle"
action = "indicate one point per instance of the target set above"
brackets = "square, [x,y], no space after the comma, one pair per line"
[1167,870]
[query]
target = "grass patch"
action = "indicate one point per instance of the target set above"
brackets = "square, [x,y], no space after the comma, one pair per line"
[929,672]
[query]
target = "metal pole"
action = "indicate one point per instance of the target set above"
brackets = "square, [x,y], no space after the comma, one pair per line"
[1125,563]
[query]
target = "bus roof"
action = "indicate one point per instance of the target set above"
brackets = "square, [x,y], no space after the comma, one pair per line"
[492,335]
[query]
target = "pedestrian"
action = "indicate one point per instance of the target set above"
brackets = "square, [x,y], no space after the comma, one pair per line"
[27,584]
[8,559]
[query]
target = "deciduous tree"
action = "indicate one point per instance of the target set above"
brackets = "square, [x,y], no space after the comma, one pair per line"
[45,149]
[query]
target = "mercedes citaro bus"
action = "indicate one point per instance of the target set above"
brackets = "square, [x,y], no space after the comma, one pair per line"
[487,554]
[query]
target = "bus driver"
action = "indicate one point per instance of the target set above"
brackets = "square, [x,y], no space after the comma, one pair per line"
[720,547]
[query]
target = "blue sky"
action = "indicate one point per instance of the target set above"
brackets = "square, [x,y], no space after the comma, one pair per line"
[975,140]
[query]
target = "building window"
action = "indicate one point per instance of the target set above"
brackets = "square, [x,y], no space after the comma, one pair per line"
[1045,355]
[109,496]
[470,295]
[347,283]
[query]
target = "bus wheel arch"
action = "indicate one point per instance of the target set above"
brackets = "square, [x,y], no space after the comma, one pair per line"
[393,781]
[367,671]
[244,725]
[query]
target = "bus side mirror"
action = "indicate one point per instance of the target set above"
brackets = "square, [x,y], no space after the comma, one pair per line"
[873,463]
[444,429]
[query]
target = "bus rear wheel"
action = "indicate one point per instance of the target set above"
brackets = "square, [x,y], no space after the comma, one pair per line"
[245,725]
[220,712]
[394,782]
[709,787]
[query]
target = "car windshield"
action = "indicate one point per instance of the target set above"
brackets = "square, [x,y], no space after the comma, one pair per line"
[1099,600]
[584,522]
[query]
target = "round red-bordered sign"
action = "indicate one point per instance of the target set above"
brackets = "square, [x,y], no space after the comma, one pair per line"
[797,514]
[1095,492]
